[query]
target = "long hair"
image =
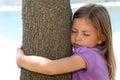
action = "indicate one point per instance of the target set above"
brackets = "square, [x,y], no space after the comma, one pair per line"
[100,18]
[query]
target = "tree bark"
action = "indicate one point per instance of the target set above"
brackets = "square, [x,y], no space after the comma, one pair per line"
[46,32]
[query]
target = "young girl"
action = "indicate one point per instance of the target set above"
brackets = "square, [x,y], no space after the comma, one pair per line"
[91,38]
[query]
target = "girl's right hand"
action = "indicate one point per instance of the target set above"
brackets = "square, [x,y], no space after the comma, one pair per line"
[19,56]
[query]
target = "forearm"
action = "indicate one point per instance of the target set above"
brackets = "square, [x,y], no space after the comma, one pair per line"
[43,65]
[51,67]
[34,63]
[46,66]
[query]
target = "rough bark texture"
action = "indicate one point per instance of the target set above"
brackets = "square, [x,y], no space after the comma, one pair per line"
[46,32]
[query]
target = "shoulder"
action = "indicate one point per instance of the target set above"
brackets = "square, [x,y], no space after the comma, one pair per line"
[85,50]
[88,53]
[91,56]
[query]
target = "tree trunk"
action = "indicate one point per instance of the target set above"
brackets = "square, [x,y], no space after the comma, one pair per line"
[46,32]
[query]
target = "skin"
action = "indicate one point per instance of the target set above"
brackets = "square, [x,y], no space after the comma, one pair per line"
[83,33]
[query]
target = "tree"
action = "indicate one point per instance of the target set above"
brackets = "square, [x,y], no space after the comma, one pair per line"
[46,32]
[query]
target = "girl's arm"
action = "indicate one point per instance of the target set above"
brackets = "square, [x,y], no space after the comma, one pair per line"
[50,67]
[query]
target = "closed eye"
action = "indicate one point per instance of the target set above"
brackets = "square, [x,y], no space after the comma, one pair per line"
[86,34]
[73,31]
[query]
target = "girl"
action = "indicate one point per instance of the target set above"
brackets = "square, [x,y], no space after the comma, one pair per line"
[91,38]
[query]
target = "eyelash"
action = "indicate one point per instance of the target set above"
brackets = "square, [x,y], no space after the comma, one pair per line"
[86,34]
[73,31]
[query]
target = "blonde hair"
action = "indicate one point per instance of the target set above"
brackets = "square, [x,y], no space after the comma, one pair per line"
[100,18]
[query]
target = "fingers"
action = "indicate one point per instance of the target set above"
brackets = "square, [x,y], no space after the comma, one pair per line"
[21,47]
[19,50]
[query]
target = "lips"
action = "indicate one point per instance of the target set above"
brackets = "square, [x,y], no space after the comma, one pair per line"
[76,46]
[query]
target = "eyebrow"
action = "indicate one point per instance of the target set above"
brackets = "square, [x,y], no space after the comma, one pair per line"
[86,31]
[82,30]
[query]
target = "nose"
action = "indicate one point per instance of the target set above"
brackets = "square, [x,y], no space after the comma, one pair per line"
[78,37]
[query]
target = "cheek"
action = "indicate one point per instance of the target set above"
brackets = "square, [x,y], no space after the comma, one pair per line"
[91,42]
[72,39]
[94,42]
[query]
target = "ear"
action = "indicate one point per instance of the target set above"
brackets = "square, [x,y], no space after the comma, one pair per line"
[102,39]
[99,42]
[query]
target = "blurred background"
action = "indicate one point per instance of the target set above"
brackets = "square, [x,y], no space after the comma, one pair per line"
[11,33]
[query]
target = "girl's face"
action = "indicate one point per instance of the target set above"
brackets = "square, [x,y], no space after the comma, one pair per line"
[83,33]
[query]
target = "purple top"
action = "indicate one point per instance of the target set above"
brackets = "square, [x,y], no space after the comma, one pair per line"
[96,65]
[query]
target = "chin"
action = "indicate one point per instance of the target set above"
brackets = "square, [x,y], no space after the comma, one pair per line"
[75,48]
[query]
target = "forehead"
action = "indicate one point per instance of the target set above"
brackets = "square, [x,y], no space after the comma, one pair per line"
[83,24]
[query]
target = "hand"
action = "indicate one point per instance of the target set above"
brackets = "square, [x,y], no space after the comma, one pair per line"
[19,56]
